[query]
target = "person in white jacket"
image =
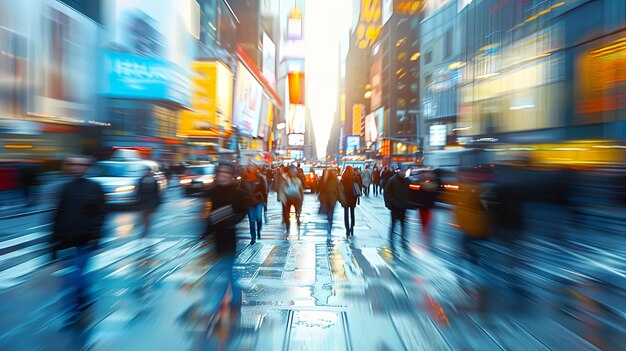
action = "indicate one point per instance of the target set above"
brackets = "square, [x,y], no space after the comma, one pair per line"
[366,176]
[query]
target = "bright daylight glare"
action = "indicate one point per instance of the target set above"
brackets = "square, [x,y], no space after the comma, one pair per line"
[312,175]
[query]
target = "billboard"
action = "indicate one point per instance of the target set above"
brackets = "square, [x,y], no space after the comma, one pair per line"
[131,76]
[296,119]
[296,87]
[247,102]
[438,135]
[353,144]
[376,78]
[373,126]
[269,60]
[296,140]
[267,118]
[357,116]
[370,23]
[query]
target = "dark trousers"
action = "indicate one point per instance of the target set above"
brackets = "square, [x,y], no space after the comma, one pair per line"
[77,281]
[397,215]
[366,190]
[375,186]
[297,203]
[348,217]
[146,220]
[255,219]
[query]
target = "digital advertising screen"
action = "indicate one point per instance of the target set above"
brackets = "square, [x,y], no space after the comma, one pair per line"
[247,102]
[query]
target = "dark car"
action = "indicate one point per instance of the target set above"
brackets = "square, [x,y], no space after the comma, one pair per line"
[197,178]
[424,186]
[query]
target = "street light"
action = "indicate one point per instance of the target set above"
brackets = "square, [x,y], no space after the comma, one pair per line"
[368,94]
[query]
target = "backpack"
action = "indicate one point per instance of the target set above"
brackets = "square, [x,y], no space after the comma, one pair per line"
[291,189]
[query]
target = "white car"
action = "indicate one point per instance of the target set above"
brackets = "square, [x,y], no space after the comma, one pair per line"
[120,179]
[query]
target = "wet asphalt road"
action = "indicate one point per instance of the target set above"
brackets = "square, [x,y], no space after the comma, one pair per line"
[310,291]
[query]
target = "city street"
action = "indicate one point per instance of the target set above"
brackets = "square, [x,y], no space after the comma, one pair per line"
[310,291]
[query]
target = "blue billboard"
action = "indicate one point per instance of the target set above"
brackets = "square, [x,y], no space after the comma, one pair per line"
[131,76]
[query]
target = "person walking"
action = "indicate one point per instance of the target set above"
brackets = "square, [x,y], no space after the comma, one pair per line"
[149,199]
[358,180]
[427,195]
[226,205]
[28,182]
[254,183]
[385,175]
[396,200]
[329,193]
[376,180]
[367,180]
[290,193]
[351,192]
[77,229]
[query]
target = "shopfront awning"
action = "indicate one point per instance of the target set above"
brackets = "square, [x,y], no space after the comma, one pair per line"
[253,69]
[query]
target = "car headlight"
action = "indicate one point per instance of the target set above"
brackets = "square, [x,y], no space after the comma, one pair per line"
[124,189]
[207,181]
[185,181]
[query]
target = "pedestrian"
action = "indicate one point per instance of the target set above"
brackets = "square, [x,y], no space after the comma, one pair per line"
[290,193]
[330,192]
[470,214]
[376,180]
[77,230]
[367,180]
[428,182]
[359,180]
[396,200]
[385,175]
[149,199]
[301,175]
[226,205]
[254,183]
[351,192]
[28,181]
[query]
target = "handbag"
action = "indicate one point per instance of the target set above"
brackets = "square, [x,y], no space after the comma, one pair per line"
[356,189]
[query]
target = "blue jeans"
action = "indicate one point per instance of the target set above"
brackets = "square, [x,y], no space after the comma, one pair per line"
[77,282]
[255,217]
[217,281]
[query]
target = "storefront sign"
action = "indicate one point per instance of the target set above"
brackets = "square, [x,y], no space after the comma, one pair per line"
[135,77]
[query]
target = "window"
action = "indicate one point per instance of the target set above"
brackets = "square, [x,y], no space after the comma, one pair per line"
[428,57]
[428,80]
[448,44]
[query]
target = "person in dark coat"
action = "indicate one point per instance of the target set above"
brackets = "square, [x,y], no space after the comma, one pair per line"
[28,180]
[385,175]
[376,180]
[149,199]
[396,200]
[77,229]
[348,181]
[254,183]
[226,205]
[330,192]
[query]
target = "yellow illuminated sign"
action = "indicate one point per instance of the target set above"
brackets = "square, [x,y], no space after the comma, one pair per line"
[370,23]
[343,107]
[357,116]
[211,100]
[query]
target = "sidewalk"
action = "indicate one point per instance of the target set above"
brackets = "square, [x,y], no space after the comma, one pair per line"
[310,291]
